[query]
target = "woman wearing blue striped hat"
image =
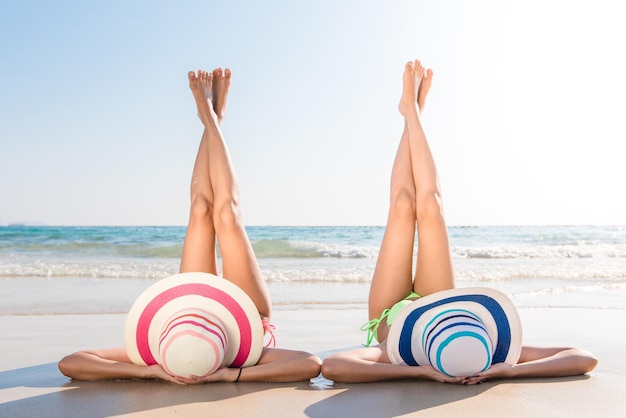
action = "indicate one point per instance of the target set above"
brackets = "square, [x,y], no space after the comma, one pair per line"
[426,327]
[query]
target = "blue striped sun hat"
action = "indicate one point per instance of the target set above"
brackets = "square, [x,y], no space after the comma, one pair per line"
[460,332]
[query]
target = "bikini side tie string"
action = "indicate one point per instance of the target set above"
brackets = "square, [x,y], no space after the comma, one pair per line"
[269,328]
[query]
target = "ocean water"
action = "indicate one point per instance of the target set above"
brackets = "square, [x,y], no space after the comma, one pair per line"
[61,270]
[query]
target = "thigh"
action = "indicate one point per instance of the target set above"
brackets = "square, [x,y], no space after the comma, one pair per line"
[240,266]
[199,253]
[394,268]
[434,271]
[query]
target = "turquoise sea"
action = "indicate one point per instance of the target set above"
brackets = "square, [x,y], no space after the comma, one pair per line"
[61,270]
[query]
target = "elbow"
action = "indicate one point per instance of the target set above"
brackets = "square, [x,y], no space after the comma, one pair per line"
[307,366]
[310,366]
[66,366]
[73,366]
[588,362]
[331,369]
[580,362]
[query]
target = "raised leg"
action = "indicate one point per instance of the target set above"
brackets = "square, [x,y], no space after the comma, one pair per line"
[392,279]
[415,202]
[433,271]
[199,252]
[215,208]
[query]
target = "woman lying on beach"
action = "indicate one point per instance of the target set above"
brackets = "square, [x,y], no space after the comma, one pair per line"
[416,202]
[214,213]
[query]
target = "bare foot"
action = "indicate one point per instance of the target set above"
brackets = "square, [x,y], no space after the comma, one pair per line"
[221,84]
[201,86]
[424,88]
[413,73]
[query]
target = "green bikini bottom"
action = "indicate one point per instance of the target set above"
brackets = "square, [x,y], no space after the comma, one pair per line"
[371,326]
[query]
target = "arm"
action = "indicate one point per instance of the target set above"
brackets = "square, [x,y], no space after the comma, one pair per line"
[542,362]
[274,365]
[371,364]
[105,364]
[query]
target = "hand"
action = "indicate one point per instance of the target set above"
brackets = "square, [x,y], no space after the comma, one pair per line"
[156,371]
[429,372]
[498,370]
[224,374]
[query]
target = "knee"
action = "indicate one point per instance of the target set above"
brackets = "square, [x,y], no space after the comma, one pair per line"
[228,215]
[403,204]
[429,206]
[201,208]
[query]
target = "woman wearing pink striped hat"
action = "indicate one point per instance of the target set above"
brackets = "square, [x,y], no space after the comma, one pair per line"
[196,327]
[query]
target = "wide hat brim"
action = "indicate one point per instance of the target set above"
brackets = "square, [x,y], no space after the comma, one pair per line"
[493,308]
[222,298]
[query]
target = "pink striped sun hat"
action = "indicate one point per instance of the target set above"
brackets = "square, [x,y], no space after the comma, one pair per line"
[459,332]
[193,324]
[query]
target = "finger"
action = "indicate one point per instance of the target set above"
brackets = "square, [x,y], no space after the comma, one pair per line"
[173,379]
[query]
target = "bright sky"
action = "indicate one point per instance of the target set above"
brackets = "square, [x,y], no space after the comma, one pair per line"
[525,118]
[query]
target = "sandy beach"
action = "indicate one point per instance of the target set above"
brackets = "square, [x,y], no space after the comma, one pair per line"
[31,385]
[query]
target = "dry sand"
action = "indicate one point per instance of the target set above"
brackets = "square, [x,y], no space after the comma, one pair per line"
[31,385]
